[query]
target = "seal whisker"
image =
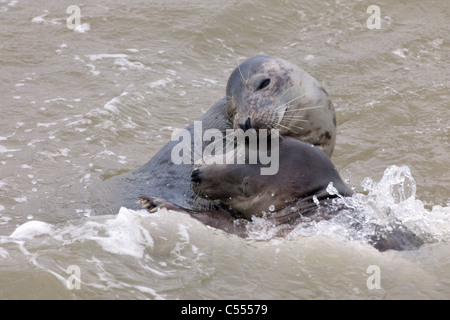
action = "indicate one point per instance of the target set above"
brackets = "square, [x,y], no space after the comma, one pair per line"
[296,98]
[290,126]
[293,113]
[308,108]
[315,107]
[292,100]
[284,92]
[281,96]
[239,68]
[298,118]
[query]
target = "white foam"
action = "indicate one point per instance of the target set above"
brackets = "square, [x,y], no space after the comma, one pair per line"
[64,152]
[124,234]
[21,199]
[209,80]
[4,149]
[95,57]
[3,253]
[39,19]
[159,83]
[400,52]
[32,229]
[391,202]
[31,143]
[150,291]
[82,28]
[48,124]
[92,69]
[127,64]
[111,104]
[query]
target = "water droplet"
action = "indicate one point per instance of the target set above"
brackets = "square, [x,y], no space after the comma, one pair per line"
[272,208]
[316,201]
[273,194]
[331,189]
[367,184]
[29,217]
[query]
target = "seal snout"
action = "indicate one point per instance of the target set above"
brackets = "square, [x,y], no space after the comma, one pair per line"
[196,176]
[247,125]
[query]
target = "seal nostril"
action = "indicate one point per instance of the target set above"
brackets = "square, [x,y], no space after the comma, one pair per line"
[247,125]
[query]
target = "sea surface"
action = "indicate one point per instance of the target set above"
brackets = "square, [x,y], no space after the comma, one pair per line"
[84,100]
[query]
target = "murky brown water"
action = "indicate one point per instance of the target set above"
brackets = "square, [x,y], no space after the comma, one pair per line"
[81,106]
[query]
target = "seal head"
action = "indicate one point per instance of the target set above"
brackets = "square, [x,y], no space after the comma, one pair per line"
[270,93]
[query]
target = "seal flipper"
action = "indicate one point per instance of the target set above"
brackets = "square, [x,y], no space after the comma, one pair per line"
[219,219]
[152,204]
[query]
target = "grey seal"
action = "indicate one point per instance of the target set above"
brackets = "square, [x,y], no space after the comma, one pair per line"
[262,93]
[305,178]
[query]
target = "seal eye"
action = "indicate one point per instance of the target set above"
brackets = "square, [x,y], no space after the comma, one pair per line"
[264,84]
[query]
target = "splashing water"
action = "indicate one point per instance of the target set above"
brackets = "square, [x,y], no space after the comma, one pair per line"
[389,205]
[135,254]
[332,190]
[393,200]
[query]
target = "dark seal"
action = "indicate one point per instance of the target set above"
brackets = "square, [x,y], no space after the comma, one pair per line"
[262,93]
[304,175]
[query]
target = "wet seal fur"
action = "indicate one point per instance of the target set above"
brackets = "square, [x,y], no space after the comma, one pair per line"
[304,172]
[302,190]
[296,191]
[262,93]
